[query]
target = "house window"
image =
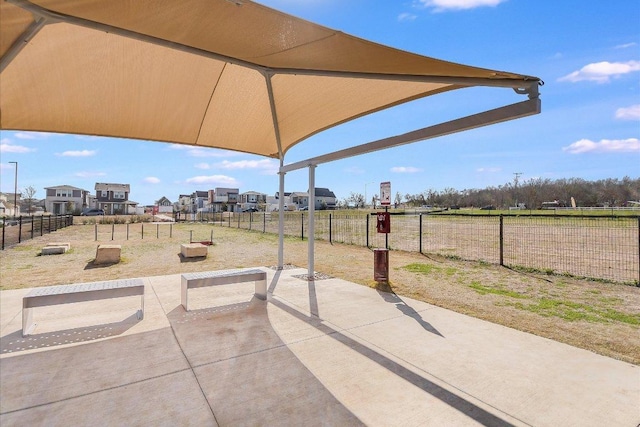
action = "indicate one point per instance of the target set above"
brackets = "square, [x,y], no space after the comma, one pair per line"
[64,193]
[118,195]
[104,193]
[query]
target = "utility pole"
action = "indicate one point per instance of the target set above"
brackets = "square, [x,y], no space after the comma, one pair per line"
[515,181]
[15,191]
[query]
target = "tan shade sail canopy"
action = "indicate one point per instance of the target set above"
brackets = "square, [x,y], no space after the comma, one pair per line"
[216,73]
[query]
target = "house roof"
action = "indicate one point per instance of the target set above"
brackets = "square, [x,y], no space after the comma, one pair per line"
[64,187]
[324,192]
[216,73]
[107,186]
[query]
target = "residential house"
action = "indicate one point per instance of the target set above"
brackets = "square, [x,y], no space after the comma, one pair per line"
[251,199]
[199,201]
[66,199]
[301,200]
[7,207]
[224,199]
[183,204]
[163,205]
[325,199]
[114,198]
[273,202]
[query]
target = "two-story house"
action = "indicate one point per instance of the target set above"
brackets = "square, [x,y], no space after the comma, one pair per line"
[114,198]
[163,205]
[66,199]
[251,199]
[224,199]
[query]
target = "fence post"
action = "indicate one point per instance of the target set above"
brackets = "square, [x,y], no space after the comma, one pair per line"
[41,224]
[501,240]
[190,236]
[330,224]
[95,233]
[32,221]
[264,221]
[367,230]
[238,219]
[49,230]
[302,226]
[142,232]
[229,216]
[637,284]
[170,231]
[19,228]
[420,233]
[113,229]
[3,227]
[157,231]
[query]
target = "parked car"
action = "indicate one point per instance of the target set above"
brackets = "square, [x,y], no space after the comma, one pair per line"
[487,208]
[250,210]
[93,212]
[304,208]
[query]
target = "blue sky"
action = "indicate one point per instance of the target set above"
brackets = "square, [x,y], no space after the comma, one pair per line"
[587,53]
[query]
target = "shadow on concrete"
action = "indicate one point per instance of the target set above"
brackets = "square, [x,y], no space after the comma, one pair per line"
[247,373]
[459,403]
[274,281]
[15,342]
[407,310]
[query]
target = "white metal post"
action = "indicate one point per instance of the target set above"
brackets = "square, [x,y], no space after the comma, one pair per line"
[311,231]
[281,220]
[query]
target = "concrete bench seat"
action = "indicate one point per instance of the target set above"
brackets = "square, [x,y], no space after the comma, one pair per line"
[193,250]
[223,277]
[66,294]
[108,254]
[55,248]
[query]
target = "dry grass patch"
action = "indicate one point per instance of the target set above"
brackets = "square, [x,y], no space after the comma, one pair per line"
[601,317]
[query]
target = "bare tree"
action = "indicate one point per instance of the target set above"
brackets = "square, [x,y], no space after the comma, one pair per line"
[29,192]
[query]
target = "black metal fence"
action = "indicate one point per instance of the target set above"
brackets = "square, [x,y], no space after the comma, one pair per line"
[585,246]
[27,227]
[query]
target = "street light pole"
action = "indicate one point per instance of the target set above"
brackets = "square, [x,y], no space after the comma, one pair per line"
[15,191]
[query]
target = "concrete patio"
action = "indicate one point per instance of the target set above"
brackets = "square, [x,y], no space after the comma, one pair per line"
[328,352]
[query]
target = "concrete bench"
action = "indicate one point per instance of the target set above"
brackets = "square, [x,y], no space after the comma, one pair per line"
[193,250]
[66,294]
[108,254]
[223,277]
[55,248]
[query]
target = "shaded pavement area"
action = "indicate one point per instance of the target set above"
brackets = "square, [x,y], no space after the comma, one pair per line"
[328,352]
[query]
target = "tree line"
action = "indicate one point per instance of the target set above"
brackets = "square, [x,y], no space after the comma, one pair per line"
[534,192]
[529,194]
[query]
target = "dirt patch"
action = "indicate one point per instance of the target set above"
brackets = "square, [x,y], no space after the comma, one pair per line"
[600,317]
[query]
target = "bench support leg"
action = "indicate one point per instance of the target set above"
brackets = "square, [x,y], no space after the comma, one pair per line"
[261,289]
[27,321]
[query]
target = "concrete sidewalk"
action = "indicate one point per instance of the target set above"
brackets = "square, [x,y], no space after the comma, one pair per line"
[328,352]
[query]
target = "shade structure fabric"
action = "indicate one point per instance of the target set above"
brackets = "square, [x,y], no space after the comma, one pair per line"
[216,73]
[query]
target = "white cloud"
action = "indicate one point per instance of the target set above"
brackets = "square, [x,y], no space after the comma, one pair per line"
[604,146]
[601,72]
[203,151]
[626,45]
[406,17]
[442,5]
[354,170]
[488,170]
[77,153]
[7,147]
[405,169]
[213,179]
[89,174]
[628,113]
[32,135]
[267,166]
[152,180]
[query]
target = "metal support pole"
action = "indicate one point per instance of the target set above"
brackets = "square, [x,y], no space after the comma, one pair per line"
[501,240]
[312,221]
[20,229]
[367,230]
[281,218]
[330,237]
[420,234]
